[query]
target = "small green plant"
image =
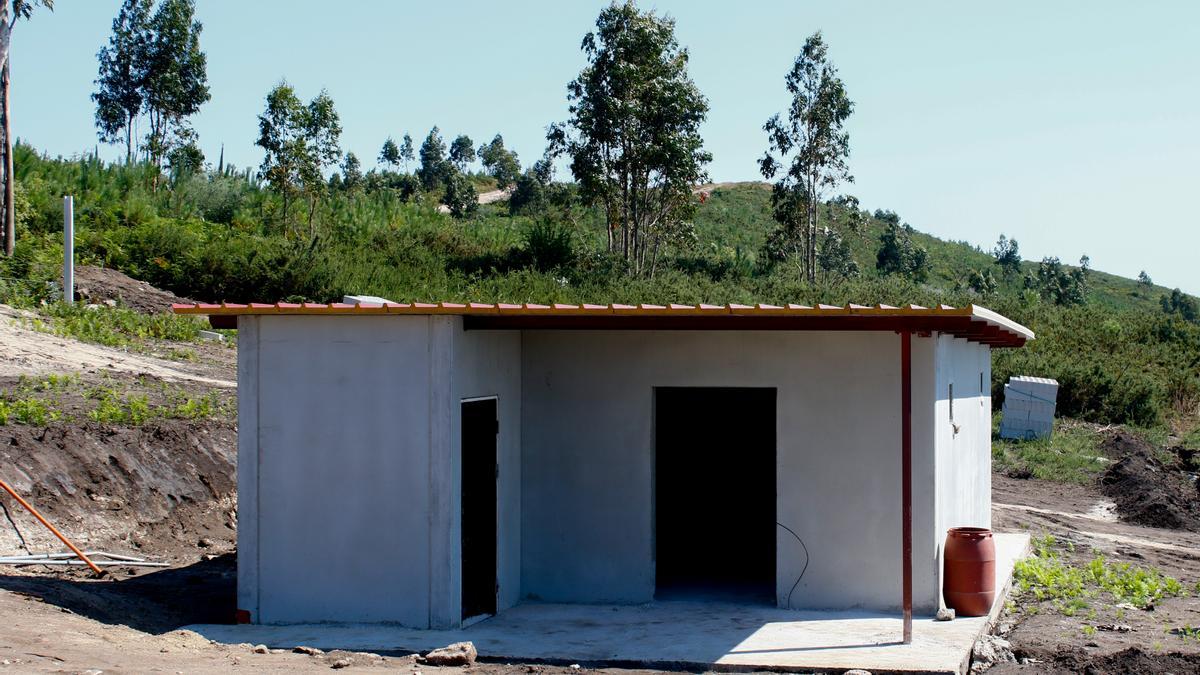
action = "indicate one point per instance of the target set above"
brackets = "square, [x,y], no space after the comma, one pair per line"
[1072,606]
[198,408]
[132,410]
[114,326]
[1187,632]
[1047,577]
[1140,586]
[50,383]
[27,410]
[1089,630]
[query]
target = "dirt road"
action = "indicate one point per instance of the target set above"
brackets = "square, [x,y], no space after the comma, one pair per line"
[32,352]
[489,197]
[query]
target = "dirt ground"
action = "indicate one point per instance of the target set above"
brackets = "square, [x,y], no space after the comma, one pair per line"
[55,625]
[66,622]
[1127,640]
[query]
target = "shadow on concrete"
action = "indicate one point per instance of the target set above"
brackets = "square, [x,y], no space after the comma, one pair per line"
[153,602]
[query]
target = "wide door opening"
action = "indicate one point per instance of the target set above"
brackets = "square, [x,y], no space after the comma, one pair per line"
[714,486]
[479,475]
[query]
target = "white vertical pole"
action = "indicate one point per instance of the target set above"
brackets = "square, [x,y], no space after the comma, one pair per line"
[68,249]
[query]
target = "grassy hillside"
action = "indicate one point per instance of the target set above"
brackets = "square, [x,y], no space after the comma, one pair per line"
[220,237]
[737,218]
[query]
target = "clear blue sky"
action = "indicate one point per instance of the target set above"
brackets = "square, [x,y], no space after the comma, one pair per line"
[1072,126]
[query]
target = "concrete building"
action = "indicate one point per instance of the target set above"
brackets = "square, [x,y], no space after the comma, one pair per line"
[424,464]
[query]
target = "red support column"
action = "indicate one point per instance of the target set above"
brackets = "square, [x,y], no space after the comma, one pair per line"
[906,473]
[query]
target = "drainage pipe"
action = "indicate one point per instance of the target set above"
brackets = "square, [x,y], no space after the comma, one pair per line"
[906,474]
[61,537]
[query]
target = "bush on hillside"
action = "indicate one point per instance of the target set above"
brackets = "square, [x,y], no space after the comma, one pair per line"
[220,238]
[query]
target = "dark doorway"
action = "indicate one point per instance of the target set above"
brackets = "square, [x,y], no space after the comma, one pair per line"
[714,486]
[479,474]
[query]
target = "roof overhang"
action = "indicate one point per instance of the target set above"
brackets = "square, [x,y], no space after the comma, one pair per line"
[974,323]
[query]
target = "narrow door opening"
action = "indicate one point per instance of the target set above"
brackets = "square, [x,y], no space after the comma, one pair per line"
[479,476]
[714,487]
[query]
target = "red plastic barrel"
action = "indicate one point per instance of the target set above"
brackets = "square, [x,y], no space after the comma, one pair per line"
[969,580]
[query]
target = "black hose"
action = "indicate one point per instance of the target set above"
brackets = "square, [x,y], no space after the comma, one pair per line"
[803,569]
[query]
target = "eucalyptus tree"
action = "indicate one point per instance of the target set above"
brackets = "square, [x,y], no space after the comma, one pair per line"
[389,154]
[500,162]
[810,147]
[175,74]
[299,142]
[352,176]
[433,169]
[899,254]
[462,152]
[633,135]
[11,11]
[119,91]
[835,259]
[1008,256]
[406,151]
[460,196]
[1060,285]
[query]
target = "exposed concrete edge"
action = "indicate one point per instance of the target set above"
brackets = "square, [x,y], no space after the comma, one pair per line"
[998,606]
[700,666]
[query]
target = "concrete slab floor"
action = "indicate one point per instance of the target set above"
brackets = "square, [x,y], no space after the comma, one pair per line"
[677,634]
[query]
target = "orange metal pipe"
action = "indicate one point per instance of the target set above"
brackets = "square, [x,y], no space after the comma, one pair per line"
[61,537]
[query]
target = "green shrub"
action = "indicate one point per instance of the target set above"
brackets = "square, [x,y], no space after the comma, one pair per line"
[550,245]
[213,237]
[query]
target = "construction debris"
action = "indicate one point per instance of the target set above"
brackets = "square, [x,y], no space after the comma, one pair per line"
[1029,404]
[457,654]
[98,558]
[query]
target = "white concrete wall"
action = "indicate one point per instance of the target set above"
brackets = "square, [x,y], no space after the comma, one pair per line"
[337,416]
[588,454]
[963,446]
[349,458]
[488,363]
[349,466]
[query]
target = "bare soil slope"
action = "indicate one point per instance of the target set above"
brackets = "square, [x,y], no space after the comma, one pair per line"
[1149,487]
[100,285]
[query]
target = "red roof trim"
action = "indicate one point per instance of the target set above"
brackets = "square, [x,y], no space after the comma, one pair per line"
[973,323]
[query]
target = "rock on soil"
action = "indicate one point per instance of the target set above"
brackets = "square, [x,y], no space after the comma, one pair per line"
[100,285]
[457,654]
[1147,490]
[989,651]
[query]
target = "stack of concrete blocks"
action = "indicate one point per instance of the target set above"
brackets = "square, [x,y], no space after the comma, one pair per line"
[1028,408]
